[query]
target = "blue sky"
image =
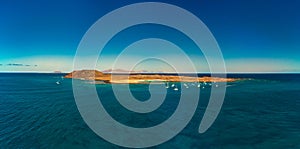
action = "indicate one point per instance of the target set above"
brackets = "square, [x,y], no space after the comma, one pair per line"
[254,35]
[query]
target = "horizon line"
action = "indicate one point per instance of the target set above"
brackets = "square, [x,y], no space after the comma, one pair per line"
[282,72]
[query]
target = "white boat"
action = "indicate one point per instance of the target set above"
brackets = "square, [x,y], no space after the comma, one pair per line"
[167,85]
[186,86]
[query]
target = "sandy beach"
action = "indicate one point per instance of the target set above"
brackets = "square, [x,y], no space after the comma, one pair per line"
[140,78]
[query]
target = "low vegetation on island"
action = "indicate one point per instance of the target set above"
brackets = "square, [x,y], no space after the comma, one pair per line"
[136,78]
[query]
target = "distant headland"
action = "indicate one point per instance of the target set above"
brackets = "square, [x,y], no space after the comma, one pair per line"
[136,78]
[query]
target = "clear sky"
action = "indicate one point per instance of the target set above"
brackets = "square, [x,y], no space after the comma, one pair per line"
[254,35]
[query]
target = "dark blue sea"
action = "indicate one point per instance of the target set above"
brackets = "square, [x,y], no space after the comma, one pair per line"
[261,111]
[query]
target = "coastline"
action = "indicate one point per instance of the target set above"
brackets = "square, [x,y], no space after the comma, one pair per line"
[140,78]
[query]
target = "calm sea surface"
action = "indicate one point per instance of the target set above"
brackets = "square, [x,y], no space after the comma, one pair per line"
[260,112]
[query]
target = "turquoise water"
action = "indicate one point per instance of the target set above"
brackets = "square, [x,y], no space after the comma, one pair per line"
[263,112]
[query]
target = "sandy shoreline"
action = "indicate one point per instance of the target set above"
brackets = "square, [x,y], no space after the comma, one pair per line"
[140,78]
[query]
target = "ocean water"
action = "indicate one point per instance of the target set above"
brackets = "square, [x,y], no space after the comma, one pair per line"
[260,112]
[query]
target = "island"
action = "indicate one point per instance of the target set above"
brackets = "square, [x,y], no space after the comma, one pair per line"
[135,78]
